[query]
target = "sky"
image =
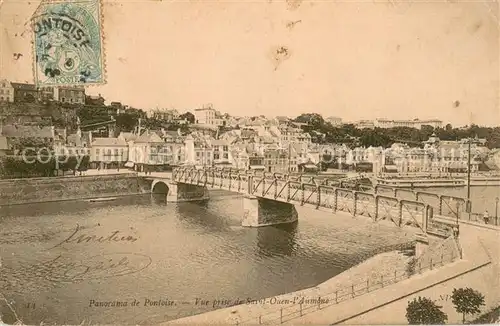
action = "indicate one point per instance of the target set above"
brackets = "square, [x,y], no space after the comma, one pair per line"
[362,59]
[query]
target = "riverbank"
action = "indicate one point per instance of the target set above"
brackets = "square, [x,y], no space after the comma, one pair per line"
[368,272]
[37,190]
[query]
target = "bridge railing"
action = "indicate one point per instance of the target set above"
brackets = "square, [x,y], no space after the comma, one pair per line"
[401,212]
[303,306]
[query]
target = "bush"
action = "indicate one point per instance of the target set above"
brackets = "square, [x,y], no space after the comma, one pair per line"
[424,311]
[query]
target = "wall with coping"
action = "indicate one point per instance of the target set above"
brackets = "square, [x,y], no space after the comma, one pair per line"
[32,190]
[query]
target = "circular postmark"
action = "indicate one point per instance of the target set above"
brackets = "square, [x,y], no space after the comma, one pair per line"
[67,44]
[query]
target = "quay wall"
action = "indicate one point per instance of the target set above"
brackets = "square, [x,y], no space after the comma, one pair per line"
[33,190]
[479,269]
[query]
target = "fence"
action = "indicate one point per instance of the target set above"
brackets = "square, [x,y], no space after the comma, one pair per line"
[479,218]
[307,306]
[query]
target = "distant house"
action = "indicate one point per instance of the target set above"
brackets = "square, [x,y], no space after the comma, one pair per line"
[94,100]
[276,160]
[25,92]
[76,144]
[19,137]
[70,94]
[6,91]
[308,167]
[4,146]
[110,152]
[221,153]
[149,152]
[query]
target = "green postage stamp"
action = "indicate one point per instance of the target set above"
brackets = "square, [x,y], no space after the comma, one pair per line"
[68,47]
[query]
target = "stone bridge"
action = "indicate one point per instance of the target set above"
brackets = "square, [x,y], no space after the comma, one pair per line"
[270,198]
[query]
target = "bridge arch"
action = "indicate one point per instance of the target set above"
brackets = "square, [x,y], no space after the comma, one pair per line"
[159,187]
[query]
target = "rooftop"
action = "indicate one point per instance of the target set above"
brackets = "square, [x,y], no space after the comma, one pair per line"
[108,141]
[24,86]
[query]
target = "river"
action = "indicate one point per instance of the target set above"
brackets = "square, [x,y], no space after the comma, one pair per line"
[66,262]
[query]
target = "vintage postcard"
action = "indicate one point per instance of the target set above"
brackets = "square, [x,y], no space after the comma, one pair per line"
[298,162]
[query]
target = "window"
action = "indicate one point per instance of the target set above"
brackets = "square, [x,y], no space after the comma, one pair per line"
[226,156]
[216,156]
[1,91]
[7,91]
[1,98]
[97,152]
[64,99]
[224,148]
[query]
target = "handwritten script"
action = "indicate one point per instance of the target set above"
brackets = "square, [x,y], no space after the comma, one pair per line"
[79,237]
[62,269]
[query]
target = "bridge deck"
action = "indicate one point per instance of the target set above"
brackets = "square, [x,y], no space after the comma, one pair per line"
[315,193]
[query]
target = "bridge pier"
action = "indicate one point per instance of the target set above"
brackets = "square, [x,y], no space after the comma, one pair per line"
[180,192]
[422,243]
[262,212]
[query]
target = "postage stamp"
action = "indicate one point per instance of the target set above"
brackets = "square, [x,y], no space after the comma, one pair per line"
[68,43]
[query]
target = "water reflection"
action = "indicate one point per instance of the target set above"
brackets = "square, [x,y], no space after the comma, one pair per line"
[278,240]
[198,215]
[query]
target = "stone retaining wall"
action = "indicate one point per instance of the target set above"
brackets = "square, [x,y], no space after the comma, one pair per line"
[21,191]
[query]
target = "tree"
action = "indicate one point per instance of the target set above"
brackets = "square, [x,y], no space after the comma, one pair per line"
[467,301]
[424,311]
[313,119]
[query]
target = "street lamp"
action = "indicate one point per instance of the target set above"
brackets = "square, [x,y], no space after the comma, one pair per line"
[468,205]
[496,210]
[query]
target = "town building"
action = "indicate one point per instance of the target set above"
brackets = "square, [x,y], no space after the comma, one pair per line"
[365,124]
[334,121]
[19,137]
[25,92]
[208,116]
[415,123]
[77,144]
[94,100]
[108,152]
[4,146]
[168,115]
[221,153]
[148,152]
[198,151]
[286,134]
[276,161]
[46,94]
[70,94]
[6,91]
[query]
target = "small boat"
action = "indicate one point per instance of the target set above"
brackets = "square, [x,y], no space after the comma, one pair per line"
[97,200]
